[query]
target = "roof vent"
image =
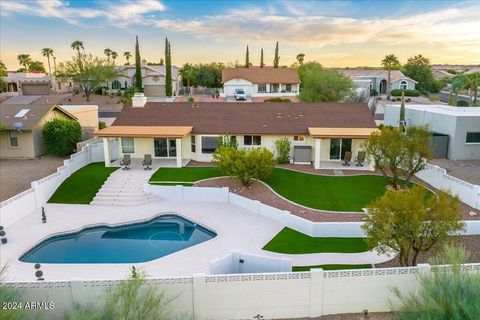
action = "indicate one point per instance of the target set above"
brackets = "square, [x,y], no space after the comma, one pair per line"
[139,100]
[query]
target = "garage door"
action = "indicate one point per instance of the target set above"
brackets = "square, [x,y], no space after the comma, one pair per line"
[230,90]
[154,91]
[35,89]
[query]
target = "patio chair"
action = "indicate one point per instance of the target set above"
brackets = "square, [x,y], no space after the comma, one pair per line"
[347,158]
[147,162]
[126,162]
[360,159]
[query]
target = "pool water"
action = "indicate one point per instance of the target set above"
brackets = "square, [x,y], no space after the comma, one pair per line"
[132,243]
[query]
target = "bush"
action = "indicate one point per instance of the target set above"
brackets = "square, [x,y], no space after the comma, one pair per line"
[399,99]
[407,92]
[128,94]
[191,99]
[408,100]
[101,125]
[277,100]
[373,92]
[282,150]
[61,135]
[244,164]
[462,103]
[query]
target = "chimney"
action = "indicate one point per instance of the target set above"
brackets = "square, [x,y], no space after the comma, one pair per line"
[139,100]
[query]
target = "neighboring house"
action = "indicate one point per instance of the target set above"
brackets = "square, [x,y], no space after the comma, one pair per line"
[442,74]
[473,70]
[22,83]
[87,116]
[153,80]
[455,130]
[320,133]
[23,124]
[261,82]
[378,79]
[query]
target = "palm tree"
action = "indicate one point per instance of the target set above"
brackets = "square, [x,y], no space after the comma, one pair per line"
[108,53]
[24,60]
[114,56]
[48,52]
[127,55]
[389,62]
[77,45]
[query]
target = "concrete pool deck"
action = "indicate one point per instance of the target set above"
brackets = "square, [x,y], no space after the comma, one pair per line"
[237,229]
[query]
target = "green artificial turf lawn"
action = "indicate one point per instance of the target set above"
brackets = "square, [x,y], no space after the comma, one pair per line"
[332,267]
[333,193]
[294,242]
[82,185]
[187,174]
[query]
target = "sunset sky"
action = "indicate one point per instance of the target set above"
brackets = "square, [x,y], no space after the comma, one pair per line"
[335,33]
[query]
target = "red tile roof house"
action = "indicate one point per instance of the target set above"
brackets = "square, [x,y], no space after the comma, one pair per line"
[265,82]
[320,133]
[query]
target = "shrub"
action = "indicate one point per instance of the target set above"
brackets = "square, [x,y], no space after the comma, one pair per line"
[277,100]
[13,295]
[398,99]
[191,99]
[61,135]
[101,125]
[373,92]
[407,92]
[128,94]
[227,141]
[408,100]
[462,103]
[282,150]
[244,164]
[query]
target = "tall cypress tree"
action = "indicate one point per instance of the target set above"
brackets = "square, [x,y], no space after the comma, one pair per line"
[138,68]
[247,59]
[402,114]
[276,59]
[261,59]
[168,69]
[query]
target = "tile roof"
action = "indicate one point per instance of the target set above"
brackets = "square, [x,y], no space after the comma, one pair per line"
[395,75]
[248,118]
[262,75]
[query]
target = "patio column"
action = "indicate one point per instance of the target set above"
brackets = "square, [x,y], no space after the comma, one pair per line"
[179,152]
[106,152]
[318,143]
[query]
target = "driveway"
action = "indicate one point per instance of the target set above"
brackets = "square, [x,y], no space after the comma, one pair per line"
[467,170]
[16,175]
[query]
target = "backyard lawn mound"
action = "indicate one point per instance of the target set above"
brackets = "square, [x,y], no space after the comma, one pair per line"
[183,176]
[82,185]
[290,241]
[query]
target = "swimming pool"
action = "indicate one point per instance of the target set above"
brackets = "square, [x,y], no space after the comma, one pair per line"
[133,243]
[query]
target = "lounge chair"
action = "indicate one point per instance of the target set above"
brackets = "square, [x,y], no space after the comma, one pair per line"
[347,158]
[360,159]
[147,162]
[126,162]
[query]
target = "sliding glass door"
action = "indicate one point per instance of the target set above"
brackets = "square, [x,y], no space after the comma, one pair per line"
[338,147]
[165,147]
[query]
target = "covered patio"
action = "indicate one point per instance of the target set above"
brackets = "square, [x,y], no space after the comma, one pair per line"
[162,143]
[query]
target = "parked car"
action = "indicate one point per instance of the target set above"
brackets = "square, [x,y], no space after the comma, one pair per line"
[240,94]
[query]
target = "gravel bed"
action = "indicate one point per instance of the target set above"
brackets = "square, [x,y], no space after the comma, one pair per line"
[353,316]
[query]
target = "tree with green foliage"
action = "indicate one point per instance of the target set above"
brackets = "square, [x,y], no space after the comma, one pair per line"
[419,69]
[127,55]
[244,164]
[410,221]
[114,55]
[3,73]
[77,45]
[36,66]
[397,154]
[189,74]
[320,85]
[90,74]
[390,62]
[24,60]
[61,135]
[138,67]
[108,53]
[473,82]
[247,59]
[276,59]
[227,141]
[460,82]
[283,146]
[300,58]
[168,69]
[452,294]
[261,59]
[48,52]
[402,124]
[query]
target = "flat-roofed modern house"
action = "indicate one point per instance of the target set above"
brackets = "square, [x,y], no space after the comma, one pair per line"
[261,82]
[22,124]
[455,130]
[375,79]
[320,133]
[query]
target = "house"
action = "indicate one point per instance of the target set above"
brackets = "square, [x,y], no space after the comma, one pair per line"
[261,82]
[455,130]
[320,133]
[22,125]
[377,80]
[442,74]
[87,117]
[153,79]
[30,83]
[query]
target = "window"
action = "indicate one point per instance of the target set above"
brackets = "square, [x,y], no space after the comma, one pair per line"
[298,138]
[262,88]
[338,147]
[288,87]
[473,137]
[116,85]
[128,145]
[403,84]
[274,88]
[193,143]
[209,144]
[252,140]
[13,135]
